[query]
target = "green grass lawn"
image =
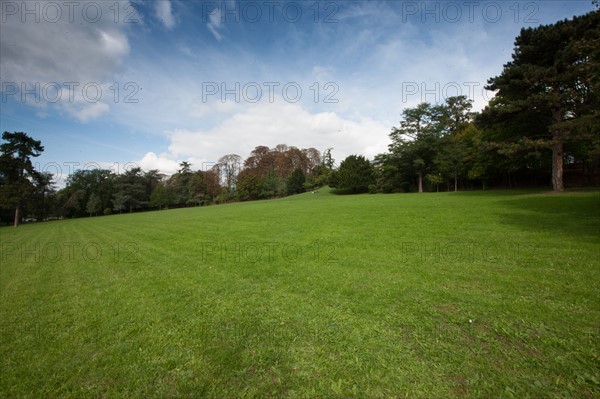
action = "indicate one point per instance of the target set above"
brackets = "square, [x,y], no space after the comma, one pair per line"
[478,294]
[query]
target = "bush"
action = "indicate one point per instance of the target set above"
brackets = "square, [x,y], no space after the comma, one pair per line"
[355,174]
[388,188]
[372,189]
[295,183]
[107,211]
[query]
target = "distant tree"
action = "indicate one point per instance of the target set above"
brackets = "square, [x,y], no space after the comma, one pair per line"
[120,201]
[415,141]
[178,185]
[159,197]
[250,184]
[435,179]
[355,174]
[313,157]
[319,175]
[274,186]
[197,189]
[17,174]
[327,160]
[131,192]
[229,167]
[293,158]
[185,168]
[100,182]
[153,178]
[295,183]
[94,205]
[73,206]
[450,159]
[211,179]
[43,200]
[454,115]
[387,172]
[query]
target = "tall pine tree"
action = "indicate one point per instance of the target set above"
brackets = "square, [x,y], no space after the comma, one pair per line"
[547,96]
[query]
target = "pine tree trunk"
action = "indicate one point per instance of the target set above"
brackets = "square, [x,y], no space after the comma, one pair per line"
[17,215]
[557,164]
[420,181]
[557,153]
[455,184]
[557,167]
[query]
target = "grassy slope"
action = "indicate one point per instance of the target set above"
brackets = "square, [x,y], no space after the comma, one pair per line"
[416,295]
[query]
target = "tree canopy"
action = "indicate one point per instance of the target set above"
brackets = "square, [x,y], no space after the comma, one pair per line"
[547,96]
[17,174]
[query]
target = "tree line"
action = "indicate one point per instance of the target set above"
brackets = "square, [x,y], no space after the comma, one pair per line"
[544,119]
[266,173]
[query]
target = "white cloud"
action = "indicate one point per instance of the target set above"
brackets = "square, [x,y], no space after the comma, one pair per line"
[87,112]
[70,49]
[214,23]
[271,124]
[164,13]
[161,162]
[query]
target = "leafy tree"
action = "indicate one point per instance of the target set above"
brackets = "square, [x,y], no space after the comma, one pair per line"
[274,186]
[159,197]
[42,202]
[120,201]
[313,158]
[197,189]
[415,141]
[354,174]
[229,167]
[94,205]
[454,115]
[152,179]
[327,161]
[387,173]
[100,182]
[450,159]
[211,179]
[250,184]
[266,171]
[435,179]
[547,96]
[131,191]
[17,174]
[178,185]
[73,206]
[295,183]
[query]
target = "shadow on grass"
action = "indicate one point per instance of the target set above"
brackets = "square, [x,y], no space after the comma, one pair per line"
[347,191]
[576,215]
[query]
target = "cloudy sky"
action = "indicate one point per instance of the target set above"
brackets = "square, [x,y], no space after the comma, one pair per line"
[153,83]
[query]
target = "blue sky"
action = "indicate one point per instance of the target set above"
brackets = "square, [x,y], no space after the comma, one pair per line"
[153,83]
